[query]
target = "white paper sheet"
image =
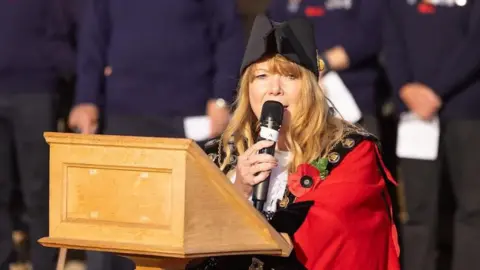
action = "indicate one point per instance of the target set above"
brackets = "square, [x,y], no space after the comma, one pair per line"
[416,138]
[197,128]
[340,97]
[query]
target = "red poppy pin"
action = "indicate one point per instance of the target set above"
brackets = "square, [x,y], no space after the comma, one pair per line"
[306,178]
[426,8]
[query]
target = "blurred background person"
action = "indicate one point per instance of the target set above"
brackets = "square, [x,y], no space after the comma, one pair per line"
[34,56]
[433,63]
[149,66]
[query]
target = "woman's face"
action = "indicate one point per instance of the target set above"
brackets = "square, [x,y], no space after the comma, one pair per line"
[268,85]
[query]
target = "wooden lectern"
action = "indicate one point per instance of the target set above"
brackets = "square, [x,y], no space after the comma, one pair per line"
[159,201]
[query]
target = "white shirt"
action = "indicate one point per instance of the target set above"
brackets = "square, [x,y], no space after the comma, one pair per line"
[277,184]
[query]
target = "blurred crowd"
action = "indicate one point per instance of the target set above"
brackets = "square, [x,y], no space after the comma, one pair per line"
[407,70]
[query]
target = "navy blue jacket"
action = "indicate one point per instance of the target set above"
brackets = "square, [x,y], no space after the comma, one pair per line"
[357,29]
[166,57]
[34,48]
[438,46]
[73,13]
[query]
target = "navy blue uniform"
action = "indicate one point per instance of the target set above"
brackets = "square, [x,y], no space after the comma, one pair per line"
[32,45]
[438,45]
[34,54]
[167,57]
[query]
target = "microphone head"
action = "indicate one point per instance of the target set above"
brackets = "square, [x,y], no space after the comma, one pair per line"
[272,110]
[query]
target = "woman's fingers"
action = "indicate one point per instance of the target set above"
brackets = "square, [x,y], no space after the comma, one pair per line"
[258,146]
[260,178]
[254,168]
[261,167]
[262,158]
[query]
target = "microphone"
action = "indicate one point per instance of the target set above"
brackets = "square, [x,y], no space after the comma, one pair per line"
[270,123]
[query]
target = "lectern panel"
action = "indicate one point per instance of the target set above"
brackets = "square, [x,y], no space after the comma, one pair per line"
[129,194]
[119,195]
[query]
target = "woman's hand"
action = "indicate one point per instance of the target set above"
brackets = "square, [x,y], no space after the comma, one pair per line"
[253,168]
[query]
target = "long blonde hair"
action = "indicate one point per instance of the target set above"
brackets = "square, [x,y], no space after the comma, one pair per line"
[312,132]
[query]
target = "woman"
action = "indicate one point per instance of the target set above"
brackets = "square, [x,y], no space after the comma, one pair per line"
[327,179]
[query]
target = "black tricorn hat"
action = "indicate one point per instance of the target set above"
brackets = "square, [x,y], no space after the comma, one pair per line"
[294,39]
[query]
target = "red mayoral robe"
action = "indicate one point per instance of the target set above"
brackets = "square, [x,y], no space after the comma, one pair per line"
[350,225]
[343,222]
